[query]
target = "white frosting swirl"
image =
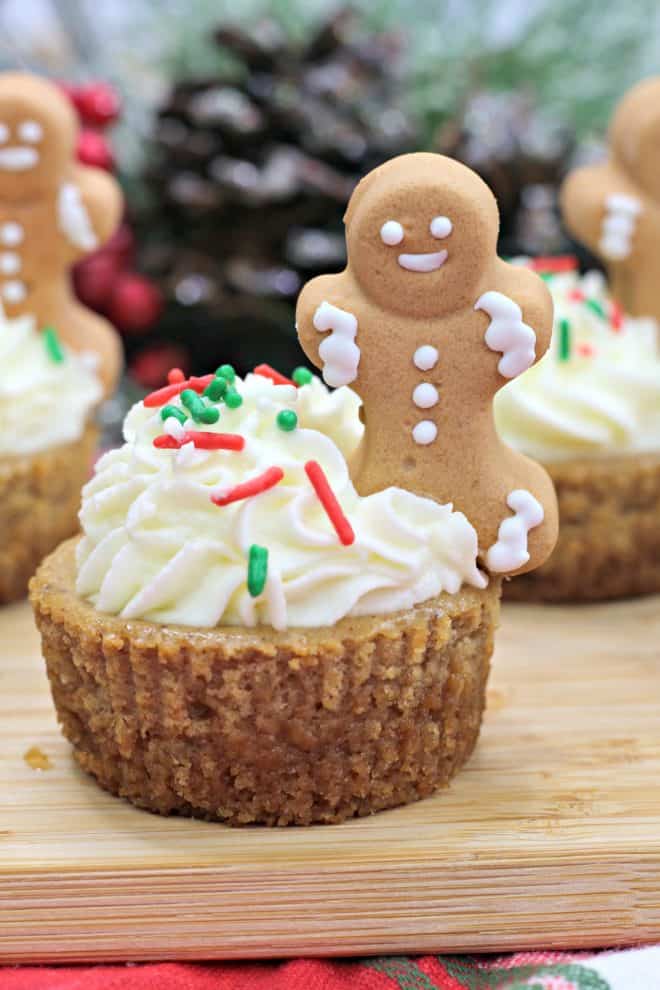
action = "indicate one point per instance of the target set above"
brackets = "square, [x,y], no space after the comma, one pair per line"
[156,547]
[333,412]
[603,398]
[43,402]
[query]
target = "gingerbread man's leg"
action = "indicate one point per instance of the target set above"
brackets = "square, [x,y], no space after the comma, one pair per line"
[83,330]
[528,527]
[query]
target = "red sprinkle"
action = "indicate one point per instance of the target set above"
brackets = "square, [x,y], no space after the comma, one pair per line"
[328,500]
[559,263]
[616,316]
[576,295]
[266,371]
[175,375]
[201,439]
[586,350]
[163,395]
[255,486]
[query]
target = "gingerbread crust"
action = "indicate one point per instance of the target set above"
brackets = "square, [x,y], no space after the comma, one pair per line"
[609,534]
[39,502]
[245,725]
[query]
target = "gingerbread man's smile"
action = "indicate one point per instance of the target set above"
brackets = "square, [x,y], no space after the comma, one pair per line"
[18,158]
[423,262]
[24,156]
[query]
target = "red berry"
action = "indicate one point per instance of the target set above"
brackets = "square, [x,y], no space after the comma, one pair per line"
[93,149]
[135,303]
[122,245]
[94,278]
[97,103]
[150,366]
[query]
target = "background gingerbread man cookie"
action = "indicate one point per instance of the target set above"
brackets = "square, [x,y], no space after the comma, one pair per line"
[53,211]
[426,323]
[614,207]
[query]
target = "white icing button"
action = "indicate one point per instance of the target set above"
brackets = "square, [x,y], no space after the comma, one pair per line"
[10,263]
[391,233]
[30,131]
[425,395]
[425,432]
[425,357]
[441,227]
[14,292]
[11,233]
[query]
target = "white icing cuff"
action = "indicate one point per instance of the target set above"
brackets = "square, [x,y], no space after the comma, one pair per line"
[510,551]
[618,226]
[507,333]
[338,352]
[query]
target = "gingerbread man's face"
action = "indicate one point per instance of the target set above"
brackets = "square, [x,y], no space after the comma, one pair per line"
[412,226]
[37,136]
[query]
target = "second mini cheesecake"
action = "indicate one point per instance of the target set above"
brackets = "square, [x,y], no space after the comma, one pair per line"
[590,412]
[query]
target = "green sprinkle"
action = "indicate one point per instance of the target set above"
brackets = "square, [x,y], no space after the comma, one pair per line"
[595,307]
[257,570]
[232,399]
[287,420]
[189,397]
[168,411]
[209,415]
[53,346]
[227,372]
[546,276]
[216,390]
[193,403]
[302,376]
[564,340]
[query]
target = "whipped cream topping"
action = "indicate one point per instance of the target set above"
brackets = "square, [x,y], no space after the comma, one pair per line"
[47,393]
[176,533]
[334,412]
[597,391]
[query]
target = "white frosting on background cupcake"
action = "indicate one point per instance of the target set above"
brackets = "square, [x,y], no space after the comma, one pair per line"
[597,391]
[47,392]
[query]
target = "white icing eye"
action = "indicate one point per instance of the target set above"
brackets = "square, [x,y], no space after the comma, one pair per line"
[391,233]
[30,131]
[4,133]
[441,227]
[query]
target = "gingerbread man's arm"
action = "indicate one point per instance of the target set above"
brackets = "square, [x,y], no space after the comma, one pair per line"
[520,309]
[328,329]
[600,207]
[89,207]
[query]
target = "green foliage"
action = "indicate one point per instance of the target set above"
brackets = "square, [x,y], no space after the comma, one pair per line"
[575,57]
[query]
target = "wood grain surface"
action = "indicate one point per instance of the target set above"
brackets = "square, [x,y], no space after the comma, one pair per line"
[549,838]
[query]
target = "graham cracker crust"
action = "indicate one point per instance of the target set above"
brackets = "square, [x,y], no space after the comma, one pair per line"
[39,503]
[609,533]
[252,725]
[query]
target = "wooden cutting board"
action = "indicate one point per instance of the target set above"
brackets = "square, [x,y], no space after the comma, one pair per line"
[550,836]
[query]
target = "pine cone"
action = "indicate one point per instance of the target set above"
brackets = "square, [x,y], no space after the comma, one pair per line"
[250,175]
[522,155]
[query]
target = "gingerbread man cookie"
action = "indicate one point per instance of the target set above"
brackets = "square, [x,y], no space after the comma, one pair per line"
[614,208]
[53,211]
[426,323]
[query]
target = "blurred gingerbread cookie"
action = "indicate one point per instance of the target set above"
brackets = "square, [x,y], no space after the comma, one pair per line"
[426,323]
[53,211]
[614,207]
